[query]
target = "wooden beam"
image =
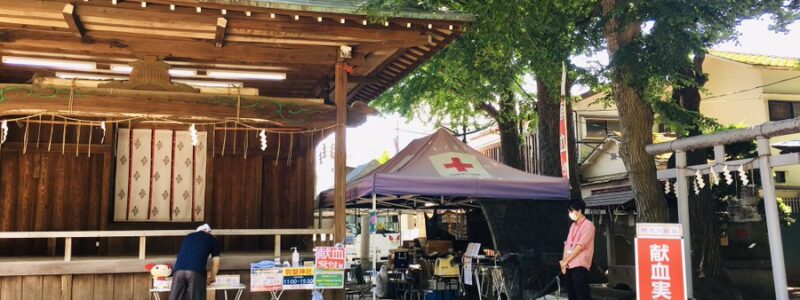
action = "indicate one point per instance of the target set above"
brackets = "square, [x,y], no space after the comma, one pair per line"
[322,31]
[73,21]
[20,99]
[219,38]
[388,65]
[104,44]
[292,108]
[363,79]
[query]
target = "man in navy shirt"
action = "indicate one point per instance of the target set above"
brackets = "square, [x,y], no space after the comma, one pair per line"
[189,279]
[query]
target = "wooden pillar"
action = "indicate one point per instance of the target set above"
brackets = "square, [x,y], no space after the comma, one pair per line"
[340,93]
[340,162]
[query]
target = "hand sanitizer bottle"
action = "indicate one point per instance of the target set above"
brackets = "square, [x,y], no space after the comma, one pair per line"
[295,257]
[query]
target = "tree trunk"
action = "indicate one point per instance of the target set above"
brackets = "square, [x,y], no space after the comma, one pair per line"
[547,128]
[509,131]
[706,252]
[574,172]
[636,121]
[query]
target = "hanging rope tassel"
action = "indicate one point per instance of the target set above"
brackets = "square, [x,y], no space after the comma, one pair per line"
[25,138]
[52,128]
[235,135]
[71,96]
[224,137]
[213,140]
[38,132]
[246,144]
[78,140]
[3,134]
[3,131]
[278,155]
[64,137]
[91,129]
[103,127]
[291,147]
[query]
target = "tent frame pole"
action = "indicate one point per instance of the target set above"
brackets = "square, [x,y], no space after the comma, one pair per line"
[374,249]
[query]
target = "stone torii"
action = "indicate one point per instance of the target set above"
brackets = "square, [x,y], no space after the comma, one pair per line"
[765,161]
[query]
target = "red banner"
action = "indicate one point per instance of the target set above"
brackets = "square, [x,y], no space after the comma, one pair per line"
[659,268]
[562,139]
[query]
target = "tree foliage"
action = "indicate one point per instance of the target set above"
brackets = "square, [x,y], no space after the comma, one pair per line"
[467,78]
[678,31]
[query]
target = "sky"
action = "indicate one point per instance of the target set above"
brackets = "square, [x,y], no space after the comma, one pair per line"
[391,132]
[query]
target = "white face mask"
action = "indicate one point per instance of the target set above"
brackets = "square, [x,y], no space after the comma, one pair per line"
[573,216]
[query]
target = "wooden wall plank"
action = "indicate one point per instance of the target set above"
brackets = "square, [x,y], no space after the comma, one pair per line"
[103,286]
[32,288]
[9,162]
[43,202]
[123,286]
[11,288]
[59,194]
[82,287]
[66,287]
[24,204]
[141,286]
[51,287]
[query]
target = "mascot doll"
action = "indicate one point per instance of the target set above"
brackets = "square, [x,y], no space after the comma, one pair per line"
[161,275]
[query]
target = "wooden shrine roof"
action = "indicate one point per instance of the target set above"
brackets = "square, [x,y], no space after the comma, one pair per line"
[297,37]
[352,7]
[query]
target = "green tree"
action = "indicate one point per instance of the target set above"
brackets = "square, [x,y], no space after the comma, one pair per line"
[554,31]
[480,74]
[476,77]
[643,63]
[671,54]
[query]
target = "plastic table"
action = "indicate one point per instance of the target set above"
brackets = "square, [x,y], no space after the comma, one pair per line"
[239,290]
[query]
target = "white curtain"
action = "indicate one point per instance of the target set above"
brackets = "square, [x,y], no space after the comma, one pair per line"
[160,176]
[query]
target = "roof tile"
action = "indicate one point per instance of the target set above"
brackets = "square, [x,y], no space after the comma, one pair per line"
[758,59]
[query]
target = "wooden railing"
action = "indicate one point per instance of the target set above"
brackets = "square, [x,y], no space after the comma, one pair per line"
[316,234]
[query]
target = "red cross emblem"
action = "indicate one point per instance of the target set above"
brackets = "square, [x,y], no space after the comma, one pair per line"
[458,165]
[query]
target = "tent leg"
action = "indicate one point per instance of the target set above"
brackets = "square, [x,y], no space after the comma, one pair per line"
[374,249]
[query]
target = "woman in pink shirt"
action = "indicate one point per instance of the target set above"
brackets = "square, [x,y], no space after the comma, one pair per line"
[578,251]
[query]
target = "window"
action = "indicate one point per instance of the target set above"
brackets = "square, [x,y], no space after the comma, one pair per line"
[601,128]
[783,110]
[780,176]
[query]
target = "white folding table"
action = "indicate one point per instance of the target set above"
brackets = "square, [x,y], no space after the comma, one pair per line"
[239,290]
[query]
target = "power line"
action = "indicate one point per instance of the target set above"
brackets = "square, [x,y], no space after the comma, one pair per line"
[753,88]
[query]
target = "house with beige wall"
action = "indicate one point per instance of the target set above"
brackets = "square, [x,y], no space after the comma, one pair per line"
[751,89]
[743,89]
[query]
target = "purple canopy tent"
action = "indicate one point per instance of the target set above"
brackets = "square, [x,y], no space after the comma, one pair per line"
[440,166]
